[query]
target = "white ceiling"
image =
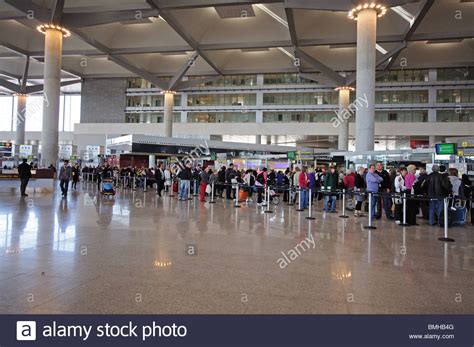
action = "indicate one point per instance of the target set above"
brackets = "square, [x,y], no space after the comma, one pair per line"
[185,26]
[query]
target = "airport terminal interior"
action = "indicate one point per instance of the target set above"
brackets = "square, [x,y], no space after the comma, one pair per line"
[237,156]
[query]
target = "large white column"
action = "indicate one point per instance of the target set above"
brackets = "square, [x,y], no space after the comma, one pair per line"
[343,140]
[168,116]
[20,120]
[258,139]
[52,88]
[151,161]
[366,51]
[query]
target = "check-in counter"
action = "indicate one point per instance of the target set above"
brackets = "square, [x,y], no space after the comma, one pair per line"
[41,180]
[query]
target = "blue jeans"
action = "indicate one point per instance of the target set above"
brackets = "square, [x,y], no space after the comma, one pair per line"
[330,203]
[372,206]
[304,198]
[436,206]
[183,189]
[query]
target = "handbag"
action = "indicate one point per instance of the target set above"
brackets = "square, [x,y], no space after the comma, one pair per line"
[208,189]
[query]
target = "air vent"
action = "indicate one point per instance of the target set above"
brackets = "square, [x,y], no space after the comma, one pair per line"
[136,21]
[235,11]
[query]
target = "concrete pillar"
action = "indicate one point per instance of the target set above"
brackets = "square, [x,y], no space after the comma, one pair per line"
[432,141]
[151,161]
[141,118]
[168,116]
[366,41]
[258,139]
[52,88]
[148,118]
[269,140]
[274,139]
[20,121]
[343,140]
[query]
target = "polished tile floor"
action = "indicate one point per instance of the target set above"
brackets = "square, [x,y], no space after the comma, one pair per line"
[135,255]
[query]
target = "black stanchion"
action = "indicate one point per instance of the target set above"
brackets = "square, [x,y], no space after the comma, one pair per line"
[446,238]
[370,226]
[189,191]
[343,215]
[195,188]
[310,206]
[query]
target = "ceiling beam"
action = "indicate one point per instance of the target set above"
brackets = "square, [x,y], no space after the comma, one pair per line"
[24,78]
[15,88]
[57,12]
[29,7]
[188,4]
[179,75]
[412,28]
[325,70]
[291,26]
[39,87]
[178,28]
[86,19]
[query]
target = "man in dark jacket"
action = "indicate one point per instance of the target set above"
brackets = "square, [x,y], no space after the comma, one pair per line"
[437,187]
[331,181]
[24,171]
[229,174]
[65,174]
[385,187]
[160,179]
[221,181]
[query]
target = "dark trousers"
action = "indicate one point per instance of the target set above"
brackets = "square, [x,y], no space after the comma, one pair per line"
[160,186]
[23,184]
[64,184]
[228,191]
[387,206]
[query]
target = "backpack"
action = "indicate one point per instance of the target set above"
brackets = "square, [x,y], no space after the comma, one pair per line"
[446,186]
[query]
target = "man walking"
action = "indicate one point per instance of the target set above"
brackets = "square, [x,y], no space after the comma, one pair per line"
[24,171]
[65,175]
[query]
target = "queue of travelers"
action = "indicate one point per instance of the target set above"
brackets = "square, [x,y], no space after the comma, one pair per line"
[387,188]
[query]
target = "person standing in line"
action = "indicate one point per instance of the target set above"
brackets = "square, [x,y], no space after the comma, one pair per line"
[372,180]
[24,171]
[385,189]
[303,183]
[229,174]
[438,187]
[331,181]
[204,181]
[65,174]
[185,175]
[221,181]
[400,188]
[160,179]
[359,186]
[75,176]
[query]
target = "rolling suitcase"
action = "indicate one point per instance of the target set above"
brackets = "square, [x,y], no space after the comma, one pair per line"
[459,212]
[243,195]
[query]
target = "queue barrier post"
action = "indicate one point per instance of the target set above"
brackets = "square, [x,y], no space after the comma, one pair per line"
[267,210]
[236,200]
[195,188]
[370,226]
[134,183]
[299,200]
[310,207]
[290,196]
[446,238]
[189,191]
[144,184]
[404,222]
[343,215]
[212,201]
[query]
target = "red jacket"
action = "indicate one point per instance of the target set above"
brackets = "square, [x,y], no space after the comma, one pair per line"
[349,181]
[303,180]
